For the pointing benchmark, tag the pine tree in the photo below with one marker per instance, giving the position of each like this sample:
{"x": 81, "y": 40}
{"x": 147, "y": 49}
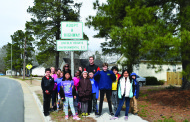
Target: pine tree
{"x": 45, "y": 24}
{"x": 18, "y": 42}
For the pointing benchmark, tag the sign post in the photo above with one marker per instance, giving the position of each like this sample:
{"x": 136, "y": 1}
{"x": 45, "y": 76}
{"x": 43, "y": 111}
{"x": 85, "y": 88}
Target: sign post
{"x": 29, "y": 66}
{"x": 72, "y": 30}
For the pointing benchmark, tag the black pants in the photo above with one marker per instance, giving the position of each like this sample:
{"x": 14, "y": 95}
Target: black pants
{"x": 93, "y": 102}
{"x": 54, "y": 96}
{"x": 108, "y": 95}
{"x": 46, "y": 102}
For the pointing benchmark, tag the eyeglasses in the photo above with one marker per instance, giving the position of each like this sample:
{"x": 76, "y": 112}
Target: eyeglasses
{"x": 66, "y": 66}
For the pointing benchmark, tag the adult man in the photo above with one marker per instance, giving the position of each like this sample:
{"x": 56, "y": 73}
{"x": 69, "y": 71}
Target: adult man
{"x": 91, "y": 68}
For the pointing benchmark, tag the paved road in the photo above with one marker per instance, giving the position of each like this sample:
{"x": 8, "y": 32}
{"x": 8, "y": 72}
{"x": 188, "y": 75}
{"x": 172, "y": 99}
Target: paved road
{"x": 11, "y": 101}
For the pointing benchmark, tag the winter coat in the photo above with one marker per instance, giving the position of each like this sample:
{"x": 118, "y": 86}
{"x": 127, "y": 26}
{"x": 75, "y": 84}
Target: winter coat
{"x": 136, "y": 87}
{"x": 124, "y": 87}
{"x": 47, "y": 84}
{"x": 84, "y": 89}
{"x": 92, "y": 68}
{"x": 105, "y": 81}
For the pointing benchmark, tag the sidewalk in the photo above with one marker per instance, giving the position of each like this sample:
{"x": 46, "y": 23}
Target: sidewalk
{"x": 32, "y": 112}
{"x": 106, "y": 117}
{"x": 34, "y": 108}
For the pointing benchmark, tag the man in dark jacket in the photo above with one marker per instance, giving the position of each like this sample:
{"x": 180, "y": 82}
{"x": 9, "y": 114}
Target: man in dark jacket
{"x": 91, "y": 68}
{"x": 47, "y": 85}
{"x": 133, "y": 104}
{"x": 105, "y": 86}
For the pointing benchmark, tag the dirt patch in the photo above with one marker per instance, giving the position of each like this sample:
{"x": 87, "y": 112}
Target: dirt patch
{"x": 160, "y": 104}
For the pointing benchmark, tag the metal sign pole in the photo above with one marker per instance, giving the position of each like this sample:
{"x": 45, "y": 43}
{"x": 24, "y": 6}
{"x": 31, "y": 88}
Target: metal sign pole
{"x": 72, "y": 63}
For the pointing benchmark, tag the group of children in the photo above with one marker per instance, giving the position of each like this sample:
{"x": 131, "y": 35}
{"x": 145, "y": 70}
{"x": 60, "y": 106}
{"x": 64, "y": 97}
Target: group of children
{"x": 82, "y": 91}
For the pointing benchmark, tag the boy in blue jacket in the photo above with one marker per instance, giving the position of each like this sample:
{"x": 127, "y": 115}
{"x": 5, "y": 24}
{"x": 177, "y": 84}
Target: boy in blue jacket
{"x": 95, "y": 93}
{"x": 133, "y": 104}
{"x": 105, "y": 78}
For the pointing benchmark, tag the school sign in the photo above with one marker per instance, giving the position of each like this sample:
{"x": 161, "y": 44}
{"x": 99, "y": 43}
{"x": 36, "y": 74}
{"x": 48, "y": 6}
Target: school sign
{"x": 70, "y": 45}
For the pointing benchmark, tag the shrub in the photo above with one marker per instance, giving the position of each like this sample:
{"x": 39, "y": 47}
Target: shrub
{"x": 161, "y": 82}
{"x": 151, "y": 81}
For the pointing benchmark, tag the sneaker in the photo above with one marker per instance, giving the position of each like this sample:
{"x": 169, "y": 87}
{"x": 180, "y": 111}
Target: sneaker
{"x": 66, "y": 117}
{"x": 98, "y": 115}
{"x": 136, "y": 114}
{"x": 114, "y": 118}
{"x": 57, "y": 110}
{"x": 126, "y": 118}
{"x": 112, "y": 114}
{"x": 76, "y": 117}
{"x": 86, "y": 114}
{"x": 83, "y": 114}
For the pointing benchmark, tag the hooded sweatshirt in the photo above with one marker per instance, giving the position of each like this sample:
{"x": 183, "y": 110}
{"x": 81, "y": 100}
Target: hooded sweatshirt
{"x": 67, "y": 87}
{"x": 76, "y": 82}
{"x": 135, "y": 86}
{"x": 58, "y": 81}
{"x": 94, "y": 87}
{"x": 106, "y": 78}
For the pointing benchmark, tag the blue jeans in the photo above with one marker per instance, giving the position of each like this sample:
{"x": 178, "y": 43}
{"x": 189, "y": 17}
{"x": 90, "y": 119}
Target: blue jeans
{"x": 121, "y": 102}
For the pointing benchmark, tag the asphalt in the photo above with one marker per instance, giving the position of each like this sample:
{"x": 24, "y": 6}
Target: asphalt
{"x": 31, "y": 110}
{"x": 11, "y": 101}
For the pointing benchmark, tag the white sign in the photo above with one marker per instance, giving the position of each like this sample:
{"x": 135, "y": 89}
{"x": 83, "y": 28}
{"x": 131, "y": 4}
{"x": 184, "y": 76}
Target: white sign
{"x": 72, "y": 45}
{"x": 71, "y": 30}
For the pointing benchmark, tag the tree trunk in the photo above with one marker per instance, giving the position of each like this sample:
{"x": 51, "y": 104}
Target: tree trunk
{"x": 185, "y": 50}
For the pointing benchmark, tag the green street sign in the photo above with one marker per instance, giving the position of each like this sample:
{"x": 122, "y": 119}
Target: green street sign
{"x": 72, "y": 45}
{"x": 71, "y": 30}
{"x": 29, "y": 66}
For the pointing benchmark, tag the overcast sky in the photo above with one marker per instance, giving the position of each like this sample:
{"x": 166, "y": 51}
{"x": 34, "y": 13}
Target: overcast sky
{"x": 13, "y": 17}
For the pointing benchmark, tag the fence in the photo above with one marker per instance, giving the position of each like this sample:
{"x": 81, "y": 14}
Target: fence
{"x": 174, "y": 78}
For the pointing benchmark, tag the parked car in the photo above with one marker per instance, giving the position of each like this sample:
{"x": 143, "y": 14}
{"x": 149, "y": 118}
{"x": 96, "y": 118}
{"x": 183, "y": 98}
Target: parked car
{"x": 141, "y": 80}
{"x": 1, "y": 74}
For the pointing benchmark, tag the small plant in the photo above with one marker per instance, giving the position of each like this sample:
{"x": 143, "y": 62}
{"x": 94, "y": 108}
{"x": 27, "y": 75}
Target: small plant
{"x": 171, "y": 87}
{"x": 161, "y": 82}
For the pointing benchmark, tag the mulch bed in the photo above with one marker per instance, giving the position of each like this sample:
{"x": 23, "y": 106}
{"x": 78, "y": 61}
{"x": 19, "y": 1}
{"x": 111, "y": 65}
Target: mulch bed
{"x": 163, "y": 104}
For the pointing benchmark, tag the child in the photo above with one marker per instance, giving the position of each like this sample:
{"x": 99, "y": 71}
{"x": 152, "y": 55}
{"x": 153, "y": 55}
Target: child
{"x": 114, "y": 97}
{"x": 105, "y": 86}
{"x": 47, "y": 85}
{"x": 58, "y": 81}
{"x": 95, "y": 93}
{"x": 67, "y": 92}
{"x": 54, "y": 93}
{"x": 124, "y": 93}
{"x": 84, "y": 90}
{"x": 76, "y": 83}
{"x": 136, "y": 94}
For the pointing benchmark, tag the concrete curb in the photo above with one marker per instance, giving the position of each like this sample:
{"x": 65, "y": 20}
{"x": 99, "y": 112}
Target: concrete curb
{"x": 48, "y": 118}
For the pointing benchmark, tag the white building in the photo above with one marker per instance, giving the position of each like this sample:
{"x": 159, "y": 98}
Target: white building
{"x": 144, "y": 71}
{"x": 8, "y": 72}
{"x": 39, "y": 71}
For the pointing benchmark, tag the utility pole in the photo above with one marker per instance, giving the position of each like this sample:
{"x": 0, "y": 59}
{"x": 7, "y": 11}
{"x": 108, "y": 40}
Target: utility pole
{"x": 11, "y": 58}
{"x": 24, "y": 59}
